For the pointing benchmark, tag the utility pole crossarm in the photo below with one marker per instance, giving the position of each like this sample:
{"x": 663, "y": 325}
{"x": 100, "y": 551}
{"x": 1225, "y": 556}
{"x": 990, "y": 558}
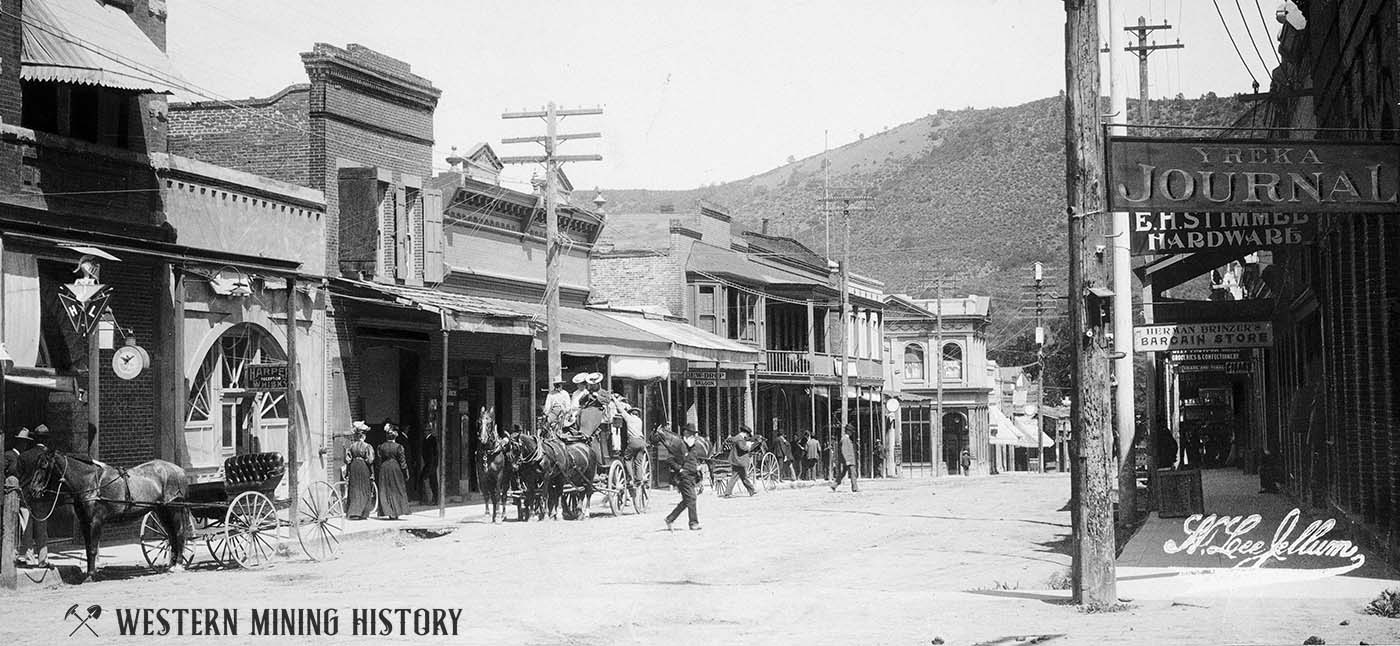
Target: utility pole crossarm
{"x": 540, "y": 159}
{"x": 542, "y": 139}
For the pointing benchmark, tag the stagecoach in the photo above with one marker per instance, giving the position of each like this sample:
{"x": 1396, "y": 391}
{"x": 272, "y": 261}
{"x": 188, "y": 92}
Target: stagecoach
{"x": 609, "y": 477}
{"x": 241, "y": 521}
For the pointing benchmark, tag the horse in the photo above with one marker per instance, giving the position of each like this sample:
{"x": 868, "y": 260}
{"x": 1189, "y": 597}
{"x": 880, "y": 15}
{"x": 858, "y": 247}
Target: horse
{"x": 101, "y": 493}
{"x": 527, "y": 460}
{"x": 497, "y": 467}
{"x": 703, "y": 451}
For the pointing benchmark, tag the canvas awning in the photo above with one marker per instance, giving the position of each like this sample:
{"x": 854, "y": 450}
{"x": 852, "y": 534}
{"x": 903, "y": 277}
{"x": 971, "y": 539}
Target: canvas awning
{"x": 91, "y": 43}
{"x": 1004, "y": 431}
{"x": 1026, "y": 425}
{"x": 590, "y": 333}
{"x": 639, "y": 367}
{"x": 688, "y": 342}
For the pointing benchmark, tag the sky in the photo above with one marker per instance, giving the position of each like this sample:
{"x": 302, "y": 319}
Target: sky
{"x": 696, "y": 93}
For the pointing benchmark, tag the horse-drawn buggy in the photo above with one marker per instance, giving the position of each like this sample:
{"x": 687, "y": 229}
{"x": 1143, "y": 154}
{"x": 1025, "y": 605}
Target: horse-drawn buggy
{"x": 721, "y": 472}
{"x": 238, "y": 518}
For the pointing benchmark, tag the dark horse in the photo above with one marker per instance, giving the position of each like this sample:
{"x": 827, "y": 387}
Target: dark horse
{"x": 533, "y": 472}
{"x": 662, "y": 437}
{"x": 101, "y": 493}
{"x": 497, "y": 468}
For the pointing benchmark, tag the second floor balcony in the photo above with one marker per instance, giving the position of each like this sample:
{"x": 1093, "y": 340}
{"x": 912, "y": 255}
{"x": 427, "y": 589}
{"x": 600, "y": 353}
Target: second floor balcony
{"x": 800, "y": 363}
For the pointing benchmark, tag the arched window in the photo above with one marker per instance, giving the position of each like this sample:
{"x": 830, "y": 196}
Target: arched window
{"x": 952, "y": 362}
{"x": 913, "y": 362}
{"x": 222, "y": 415}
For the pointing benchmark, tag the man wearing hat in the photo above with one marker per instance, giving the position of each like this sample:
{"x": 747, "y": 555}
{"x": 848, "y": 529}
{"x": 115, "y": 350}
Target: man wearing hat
{"x": 635, "y": 450}
{"x": 685, "y": 474}
{"x": 557, "y": 404}
{"x": 843, "y": 462}
{"x": 36, "y": 535}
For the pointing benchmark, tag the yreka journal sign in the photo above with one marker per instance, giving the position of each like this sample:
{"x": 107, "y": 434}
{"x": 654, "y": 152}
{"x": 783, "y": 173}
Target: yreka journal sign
{"x": 1231, "y": 176}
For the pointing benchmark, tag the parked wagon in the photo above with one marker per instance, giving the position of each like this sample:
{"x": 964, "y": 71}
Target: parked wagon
{"x": 241, "y": 521}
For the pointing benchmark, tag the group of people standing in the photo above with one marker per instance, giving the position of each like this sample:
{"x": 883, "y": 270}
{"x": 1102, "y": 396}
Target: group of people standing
{"x": 387, "y": 466}
{"x": 22, "y": 456}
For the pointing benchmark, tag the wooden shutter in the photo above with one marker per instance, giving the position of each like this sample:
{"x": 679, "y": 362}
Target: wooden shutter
{"x": 434, "y": 269}
{"x": 402, "y": 261}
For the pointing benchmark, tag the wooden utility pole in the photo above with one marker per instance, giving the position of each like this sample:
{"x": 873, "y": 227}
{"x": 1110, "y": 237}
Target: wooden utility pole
{"x": 551, "y": 160}
{"x": 1040, "y": 361}
{"x": 849, "y": 203}
{"x": 1093, "y": 552}
{"x": 1143, "y": 49}
{"x": 936, "y": 428}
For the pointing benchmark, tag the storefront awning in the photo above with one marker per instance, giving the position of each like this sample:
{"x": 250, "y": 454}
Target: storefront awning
{"x": 91, "y": 43}
{"x": 1029, "y": 434}
{"x": 463, "y": 313}
{"x": 689, "y": 342}
{"x": 639, "y": 367}
{"x": 1004, "y": 431}
{"x": 589, "y": 333}
{"x": 715, "y": 263}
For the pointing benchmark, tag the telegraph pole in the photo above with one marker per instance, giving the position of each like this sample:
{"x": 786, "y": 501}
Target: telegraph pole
{"x": 1093, "y": 571}
{"x": 1040, "y": 360}
{"x": 851, "y": 202}
{"x": 1143, "y": 49}
{"x": 937, "y": 425}
{"x": 551, "y": 160}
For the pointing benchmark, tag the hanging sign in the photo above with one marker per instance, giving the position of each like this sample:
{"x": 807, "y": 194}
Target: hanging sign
{"x": 84, "y": 303}
{"x": 1203, "y": 336}
{"x": 1173, "y": 233}
{"x": 1252, "y": 175}
{"x": 267, "y": 376}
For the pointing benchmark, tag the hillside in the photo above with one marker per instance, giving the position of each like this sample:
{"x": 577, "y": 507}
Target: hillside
{"x": 975, "y": 196}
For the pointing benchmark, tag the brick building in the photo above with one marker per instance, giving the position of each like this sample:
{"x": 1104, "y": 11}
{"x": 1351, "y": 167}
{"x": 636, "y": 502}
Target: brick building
{"x": 204, "y": 263}
{"x": 768, "y": 293}
{"x": 1334, "y": 372}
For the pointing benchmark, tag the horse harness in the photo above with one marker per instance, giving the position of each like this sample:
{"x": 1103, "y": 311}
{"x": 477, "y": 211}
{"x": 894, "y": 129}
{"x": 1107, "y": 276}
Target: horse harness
{"x": 81, "y": 494}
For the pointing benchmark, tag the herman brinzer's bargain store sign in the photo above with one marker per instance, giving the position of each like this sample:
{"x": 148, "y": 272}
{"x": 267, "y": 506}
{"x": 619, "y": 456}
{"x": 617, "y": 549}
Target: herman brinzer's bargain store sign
{"x": 1190, "y": 195}
{"x": 1202, "y": 336}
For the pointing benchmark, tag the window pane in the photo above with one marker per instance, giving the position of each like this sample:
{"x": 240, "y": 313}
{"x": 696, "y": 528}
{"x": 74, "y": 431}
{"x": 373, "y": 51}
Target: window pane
{"x": 230, "y": 420}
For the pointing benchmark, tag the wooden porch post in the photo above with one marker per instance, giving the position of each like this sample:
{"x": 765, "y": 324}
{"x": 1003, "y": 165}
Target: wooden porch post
{"x": 293, "y": 468}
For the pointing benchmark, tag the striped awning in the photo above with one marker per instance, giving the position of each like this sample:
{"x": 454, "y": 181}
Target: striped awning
{"x": 89, "y": 43}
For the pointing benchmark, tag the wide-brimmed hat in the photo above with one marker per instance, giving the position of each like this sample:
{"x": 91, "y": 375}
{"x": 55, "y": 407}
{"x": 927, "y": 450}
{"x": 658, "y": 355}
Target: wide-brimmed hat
{"x": 581, "y": 377}
{"x": 595, "y": 378}
{"x": 23, "y": 434}
{"x": 41, "y": 430}
{"x": 359, "y": 426}
{"x": 557, "y": 379}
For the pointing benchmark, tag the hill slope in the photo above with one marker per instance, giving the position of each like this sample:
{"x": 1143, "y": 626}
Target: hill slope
{"x": 975, "y": 196}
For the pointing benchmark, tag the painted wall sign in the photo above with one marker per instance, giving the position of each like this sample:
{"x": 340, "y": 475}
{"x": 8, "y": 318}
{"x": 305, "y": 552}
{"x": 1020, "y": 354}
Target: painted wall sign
{"x": 1171, "y": 233}
{"x": 1254, "y": 175}
{"x": 1203, "y": 336}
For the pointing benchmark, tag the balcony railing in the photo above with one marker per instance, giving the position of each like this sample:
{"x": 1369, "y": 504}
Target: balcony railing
{"x": 787, "y": 363}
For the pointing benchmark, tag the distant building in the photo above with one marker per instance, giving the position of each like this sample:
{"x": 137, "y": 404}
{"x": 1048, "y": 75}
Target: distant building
{"x": 922, "y": 357}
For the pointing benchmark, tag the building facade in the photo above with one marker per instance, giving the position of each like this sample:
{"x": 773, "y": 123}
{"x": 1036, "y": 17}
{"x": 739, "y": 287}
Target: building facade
{"x": 938, "y": 352}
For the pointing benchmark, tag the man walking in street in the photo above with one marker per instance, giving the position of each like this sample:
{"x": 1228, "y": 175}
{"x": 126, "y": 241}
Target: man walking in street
{"x": 685, "y": 474}
{"x": 739, "y": 446}
{"x": 844, "y": 459}
{"x": 814, "y": 453}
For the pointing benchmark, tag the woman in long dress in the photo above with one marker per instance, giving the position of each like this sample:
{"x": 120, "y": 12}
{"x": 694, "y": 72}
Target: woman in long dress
{"x": 359, "y": 499}
{"x": 393, "y": 468}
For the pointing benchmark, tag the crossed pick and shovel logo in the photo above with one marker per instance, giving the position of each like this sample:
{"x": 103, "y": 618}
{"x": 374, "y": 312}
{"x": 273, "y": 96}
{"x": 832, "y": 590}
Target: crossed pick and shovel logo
{"x": 93, "y": 612}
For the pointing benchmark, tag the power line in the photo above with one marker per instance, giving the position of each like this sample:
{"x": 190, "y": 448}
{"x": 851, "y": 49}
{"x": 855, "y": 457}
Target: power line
{"x": 1272, "y": 48}
{"x": 1249, "y": 32}
{"x": 1233, "y": 43}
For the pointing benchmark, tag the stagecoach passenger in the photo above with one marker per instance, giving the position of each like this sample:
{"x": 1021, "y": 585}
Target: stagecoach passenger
{"x": 557, "y": 404}
{"x": 393, "y": 471}
{"x": 359, "y": 478}
{"x": 36, "y": 533}
{"x": 636, "y": 450}
{"x": 593, "y": 394}
{"x": 580, "y": 389}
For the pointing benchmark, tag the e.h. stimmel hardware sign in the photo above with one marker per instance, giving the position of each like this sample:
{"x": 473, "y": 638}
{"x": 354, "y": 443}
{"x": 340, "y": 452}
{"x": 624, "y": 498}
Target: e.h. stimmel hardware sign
{"x": 1202, "y": 336}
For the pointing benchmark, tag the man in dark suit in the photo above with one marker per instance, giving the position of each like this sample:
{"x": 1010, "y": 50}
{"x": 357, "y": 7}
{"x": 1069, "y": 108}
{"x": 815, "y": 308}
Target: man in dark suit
{"x": 844, "y": 460}
{"x": 740, "y": 445}
{"x": 428, "y": 448}
{"x": 36, "y": 534}
{"x": 685, "y": 474}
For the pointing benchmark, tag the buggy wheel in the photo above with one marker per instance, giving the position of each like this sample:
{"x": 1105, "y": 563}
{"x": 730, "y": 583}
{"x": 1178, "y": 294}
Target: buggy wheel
{"x": 617, "y": 487}
{"x": 641, "y": 497}
{"x": 321, "y": 517}
{"x": 768, "y": 471}
{"x": 155, "y": 543}
{"x": 251, "y": 529}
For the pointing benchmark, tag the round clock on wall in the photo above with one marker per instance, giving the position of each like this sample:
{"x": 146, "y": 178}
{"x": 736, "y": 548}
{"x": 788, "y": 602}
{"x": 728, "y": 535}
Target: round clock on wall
{"x": 128, "y": 361}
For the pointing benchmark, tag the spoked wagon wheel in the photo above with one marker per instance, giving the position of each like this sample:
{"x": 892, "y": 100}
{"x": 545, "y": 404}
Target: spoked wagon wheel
{"x": 617, "y": 486}
{"x": 321, "y": 517}
{"x": 251, "y": 529}
{"x": 155, "y": 543}
{"x": 642, "y": 497}
{"x": 214, "y": 538}
{"x": 768, "y": 471}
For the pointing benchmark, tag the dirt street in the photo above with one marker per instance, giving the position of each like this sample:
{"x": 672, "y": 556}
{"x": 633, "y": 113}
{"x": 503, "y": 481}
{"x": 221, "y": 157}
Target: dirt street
{"x": 893, "y": 564}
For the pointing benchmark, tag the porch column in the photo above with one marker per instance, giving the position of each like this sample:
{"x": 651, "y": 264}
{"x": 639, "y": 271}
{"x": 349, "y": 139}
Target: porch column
{"x": 442, "y": 412}
{"x": 293, "y": 464}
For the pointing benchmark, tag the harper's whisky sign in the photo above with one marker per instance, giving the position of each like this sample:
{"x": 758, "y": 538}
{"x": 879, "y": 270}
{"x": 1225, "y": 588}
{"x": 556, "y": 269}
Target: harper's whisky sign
{"x": 1272, "y": 176}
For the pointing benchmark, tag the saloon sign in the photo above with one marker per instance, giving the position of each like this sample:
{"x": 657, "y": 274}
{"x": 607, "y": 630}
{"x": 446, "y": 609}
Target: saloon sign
{"x": 1189, "y": 195}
